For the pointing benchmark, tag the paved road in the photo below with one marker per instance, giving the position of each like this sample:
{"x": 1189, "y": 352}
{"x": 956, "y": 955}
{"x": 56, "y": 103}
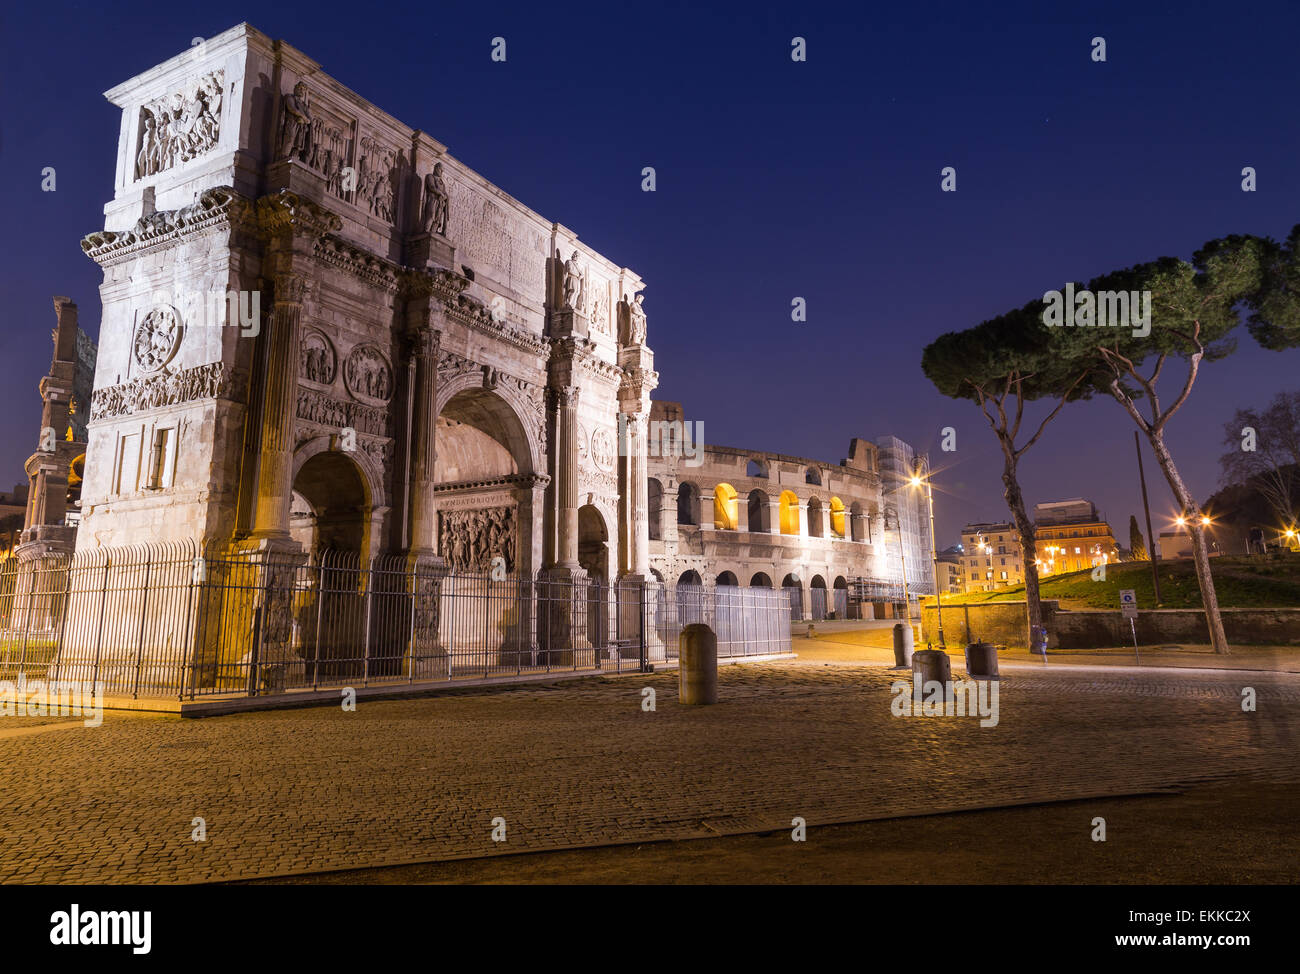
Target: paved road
{"x": 580, "y": 764}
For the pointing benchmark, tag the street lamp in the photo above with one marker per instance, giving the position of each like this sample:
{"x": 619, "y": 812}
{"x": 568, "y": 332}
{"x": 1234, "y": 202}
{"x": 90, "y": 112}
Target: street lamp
{"x": 916, "y": 481}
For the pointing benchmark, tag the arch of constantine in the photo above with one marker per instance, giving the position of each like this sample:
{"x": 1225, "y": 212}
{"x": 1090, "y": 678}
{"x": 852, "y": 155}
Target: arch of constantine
{"x": 421, "y": 355}
{"x": 359, "y": 414}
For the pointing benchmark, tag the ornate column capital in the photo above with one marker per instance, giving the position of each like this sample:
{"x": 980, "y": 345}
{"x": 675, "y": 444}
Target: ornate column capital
{"x": 287, "y": 212}
{"x": 290, "y": 288}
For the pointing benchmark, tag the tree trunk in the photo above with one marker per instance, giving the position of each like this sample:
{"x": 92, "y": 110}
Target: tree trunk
{"x": 1200, "y": 553}
{"x": 1029, "y": 543}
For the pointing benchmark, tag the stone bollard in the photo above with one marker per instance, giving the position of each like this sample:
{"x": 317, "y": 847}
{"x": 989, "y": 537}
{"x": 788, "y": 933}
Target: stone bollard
{"x": 982, "y": 661}
{"x": 697, "y": 665}
{"x": 902, "y": 646}
{"x": 931, "y": 664}
{"x": 812, "y": 632}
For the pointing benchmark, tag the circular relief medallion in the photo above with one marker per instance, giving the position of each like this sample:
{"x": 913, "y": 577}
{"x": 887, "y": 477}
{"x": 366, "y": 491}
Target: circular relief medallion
{"x": 156, "y": 338}
{"x": 368, "y": 375}
{"x": 319, "y": 363}
{"x": 602, "y": 449}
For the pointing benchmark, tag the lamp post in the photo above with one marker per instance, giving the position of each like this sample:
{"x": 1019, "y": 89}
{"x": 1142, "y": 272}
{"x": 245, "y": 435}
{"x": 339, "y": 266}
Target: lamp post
{"x": 917, "y": 481}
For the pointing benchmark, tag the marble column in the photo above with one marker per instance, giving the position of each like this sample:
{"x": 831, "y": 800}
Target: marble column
{"x": 424, "y": 447}
{"x": 566, "y": 424}
{"x": 636, "y": 501}
{"x": 279, "y": 410}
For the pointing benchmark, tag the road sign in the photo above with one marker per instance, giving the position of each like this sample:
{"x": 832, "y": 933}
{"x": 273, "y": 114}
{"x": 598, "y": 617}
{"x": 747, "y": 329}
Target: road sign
{"x": 1128, "y": 603}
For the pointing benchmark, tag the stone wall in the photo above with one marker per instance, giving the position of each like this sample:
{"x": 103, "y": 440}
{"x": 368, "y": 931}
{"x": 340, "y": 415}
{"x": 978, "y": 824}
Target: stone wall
{"x": 1004, "y": 623}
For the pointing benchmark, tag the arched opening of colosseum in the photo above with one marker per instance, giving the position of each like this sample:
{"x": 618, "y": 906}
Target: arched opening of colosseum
{"x": 760, "y": 580}
{"x": 760, "y": 514}
{"x": 856, "y": 522}
{"x": 756, "y": 468}
{"x": 330, "y": 509}
{"x": 817, "y": 592}
{"x": 837, "y": 517}
{"x": 812, "y": 476}
{"x": 690, "y": 598}
{"x": 728, "y": 578}
{"x": 814, "y": 517}
{"x": 725, "y": 508}
{"x": 654, "y": 508}
{"x": 688, "y": 503}
{"x": 794, "y": 591}
{"x": 841, "y": 597}
{"x": 483, "y": 450}
{"x": 789, "y": 512}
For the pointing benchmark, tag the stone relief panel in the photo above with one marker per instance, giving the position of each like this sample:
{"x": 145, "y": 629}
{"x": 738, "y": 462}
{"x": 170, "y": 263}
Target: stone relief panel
{"x": 211, "y": 381}
{"x": 319, "y": 362}
{"x": 469, "y": 540}
{"x": 514, "y": 251}
{"x": 180, "y": 126}
{"x": 368, "y": 375}
{"x": 324, "y": 410}
{"x": 379, "y": 175}
{"x": 599, "y": 313}
{"x": 156, "y": 338}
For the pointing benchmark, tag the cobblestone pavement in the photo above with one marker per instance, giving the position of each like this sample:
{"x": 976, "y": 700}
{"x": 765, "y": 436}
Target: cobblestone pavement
{"x": 581, "y": 764}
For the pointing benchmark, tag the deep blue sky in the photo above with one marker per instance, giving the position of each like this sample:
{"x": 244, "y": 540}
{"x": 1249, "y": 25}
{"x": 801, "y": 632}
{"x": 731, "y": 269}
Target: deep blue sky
{"x": 775, "y": 179}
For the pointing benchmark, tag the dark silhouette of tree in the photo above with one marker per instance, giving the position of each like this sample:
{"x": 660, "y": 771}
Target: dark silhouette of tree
{"x": 1000, "y": 365}
{"x": 1194, "y": 309}
{"x": 1137, "y": 546}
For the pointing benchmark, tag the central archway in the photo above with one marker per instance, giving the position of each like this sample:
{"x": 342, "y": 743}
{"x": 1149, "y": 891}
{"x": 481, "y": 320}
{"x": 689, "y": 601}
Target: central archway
{"x": 484, "y": 459}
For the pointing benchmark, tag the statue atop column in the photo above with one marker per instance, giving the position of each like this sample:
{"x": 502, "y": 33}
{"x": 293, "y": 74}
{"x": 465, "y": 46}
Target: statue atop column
{"x": 573, "y": 283}
{"x": 295, "y": 132}
{"x": 433, "y": 217}
{"x": 636, "y": 322}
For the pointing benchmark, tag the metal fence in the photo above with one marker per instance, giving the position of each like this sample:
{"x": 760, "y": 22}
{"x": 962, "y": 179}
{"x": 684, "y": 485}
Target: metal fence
{"x": 167, "y": 620}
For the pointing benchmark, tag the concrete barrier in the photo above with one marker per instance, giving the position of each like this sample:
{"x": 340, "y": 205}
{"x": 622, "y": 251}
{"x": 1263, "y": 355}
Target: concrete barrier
{"x": 697, "y": 667}
{"x": 902, "y": 646}
{"x": 931, "y": 664}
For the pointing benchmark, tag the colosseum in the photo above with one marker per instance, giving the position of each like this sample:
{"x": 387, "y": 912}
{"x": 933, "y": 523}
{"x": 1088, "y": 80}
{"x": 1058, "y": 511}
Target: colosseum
{"x": 841, "y": 539}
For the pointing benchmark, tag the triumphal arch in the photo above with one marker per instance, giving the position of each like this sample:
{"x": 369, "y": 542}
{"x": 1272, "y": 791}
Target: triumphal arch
{"x": 321, "y": 330}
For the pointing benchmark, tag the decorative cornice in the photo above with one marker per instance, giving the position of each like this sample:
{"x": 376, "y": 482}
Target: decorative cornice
{"x": 525, "y": 480}
{"x": 286, "y": 211}
{"x": 372, "y": 270}
{"x": 217, "y": 208}
{"x": 474, "y": 314}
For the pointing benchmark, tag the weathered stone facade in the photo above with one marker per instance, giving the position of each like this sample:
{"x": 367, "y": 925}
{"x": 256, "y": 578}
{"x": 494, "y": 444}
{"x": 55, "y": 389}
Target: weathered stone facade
{"x": 322, "y": 330}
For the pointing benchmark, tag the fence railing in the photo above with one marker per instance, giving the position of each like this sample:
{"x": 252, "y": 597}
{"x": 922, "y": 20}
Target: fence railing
{"x": 169, "y": 620}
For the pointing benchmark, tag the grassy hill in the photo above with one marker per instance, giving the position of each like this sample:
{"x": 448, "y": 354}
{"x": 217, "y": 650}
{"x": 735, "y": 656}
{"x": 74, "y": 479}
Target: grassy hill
{"x": 1241, "y": 583}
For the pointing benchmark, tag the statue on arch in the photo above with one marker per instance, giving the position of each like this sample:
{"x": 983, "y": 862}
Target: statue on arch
{"x": 295, "y": 132}
{"x": 573, "y": 283}
{"x": 636, "y": 322}
{"x": 433, "y": 217}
